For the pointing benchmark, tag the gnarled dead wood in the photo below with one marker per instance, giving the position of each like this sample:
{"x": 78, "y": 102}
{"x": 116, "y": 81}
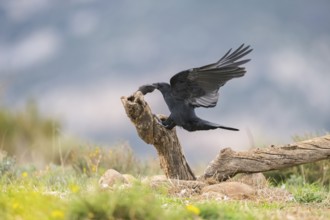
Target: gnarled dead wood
{"x": 166, "y": 142}
{"x": 228, "y": 162}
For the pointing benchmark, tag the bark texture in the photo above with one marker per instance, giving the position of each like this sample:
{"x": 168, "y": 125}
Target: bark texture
{"x": 166, "y": 142}
{"x": 228, "y": 163}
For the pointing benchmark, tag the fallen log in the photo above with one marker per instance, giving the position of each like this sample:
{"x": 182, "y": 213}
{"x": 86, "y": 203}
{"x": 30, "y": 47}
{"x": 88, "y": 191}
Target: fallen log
{"x": 228, "y": 163}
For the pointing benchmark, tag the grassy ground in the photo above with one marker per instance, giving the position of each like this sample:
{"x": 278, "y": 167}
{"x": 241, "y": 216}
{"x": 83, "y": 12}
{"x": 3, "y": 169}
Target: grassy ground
{"x": 62, "y": 193}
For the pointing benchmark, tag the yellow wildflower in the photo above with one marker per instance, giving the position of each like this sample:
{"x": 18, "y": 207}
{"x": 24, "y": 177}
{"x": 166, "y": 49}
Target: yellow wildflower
{"x": 57, "y": 214}
{"x": 74, "y": 188}
{"x": 193, "y": 209}
{"x": 15, "y": 205}
{"x": 94, "y": 168}
{"x": 25, "y": 174}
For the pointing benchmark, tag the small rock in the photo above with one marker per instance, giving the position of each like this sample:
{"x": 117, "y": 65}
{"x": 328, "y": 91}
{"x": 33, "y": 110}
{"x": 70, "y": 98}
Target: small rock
{"x": 129, "y": 178}
{"x": 156, "y": 178}
{"x": 213, "y": 195}
{"x": 157, "y": 181}
{"x": 257, "y": 180}
{"x": 233, "y": 190}
{"x": 110, "y": 178}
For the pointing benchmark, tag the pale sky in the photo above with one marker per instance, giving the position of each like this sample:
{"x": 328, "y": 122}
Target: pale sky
{"x": 77, "y": 58}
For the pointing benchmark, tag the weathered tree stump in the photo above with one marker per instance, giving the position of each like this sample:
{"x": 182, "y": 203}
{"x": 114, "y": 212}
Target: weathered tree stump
{"x": 166, "y": 142}
{"x": 228, "y": 163}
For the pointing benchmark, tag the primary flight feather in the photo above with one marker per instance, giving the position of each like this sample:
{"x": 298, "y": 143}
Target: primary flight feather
{"x": 198, "y": 87}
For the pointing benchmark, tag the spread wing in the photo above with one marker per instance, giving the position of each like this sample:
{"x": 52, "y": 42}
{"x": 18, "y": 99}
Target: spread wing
{"x": 200, "y": 86}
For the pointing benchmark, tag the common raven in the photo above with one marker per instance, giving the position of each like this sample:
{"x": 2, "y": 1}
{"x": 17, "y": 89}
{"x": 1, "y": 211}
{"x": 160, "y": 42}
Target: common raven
{"x": 198, "y": 87}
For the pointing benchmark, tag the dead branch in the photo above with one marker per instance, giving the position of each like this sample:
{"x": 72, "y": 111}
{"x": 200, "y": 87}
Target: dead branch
{"x": 228, "y": 163}
{"x": 166, "y": 142}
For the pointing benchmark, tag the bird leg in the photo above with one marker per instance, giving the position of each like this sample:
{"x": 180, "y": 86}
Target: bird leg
{"x": 158, "y": 120}
{"x": 166, "y": 122}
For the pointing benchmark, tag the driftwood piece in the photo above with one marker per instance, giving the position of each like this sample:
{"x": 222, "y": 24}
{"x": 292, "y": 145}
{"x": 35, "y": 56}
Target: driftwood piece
{"x": 166, "y": 142}
{"x": 229, "y": 163}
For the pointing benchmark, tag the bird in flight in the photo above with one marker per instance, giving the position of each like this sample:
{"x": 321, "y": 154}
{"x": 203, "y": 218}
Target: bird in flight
{"x": 198, "y": 87}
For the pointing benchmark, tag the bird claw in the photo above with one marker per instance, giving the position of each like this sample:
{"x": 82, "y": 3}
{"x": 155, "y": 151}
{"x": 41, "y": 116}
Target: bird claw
{"x": 158, "y": 120}
{"x": 165, "y": 123}
{"x": 169, "y": 127}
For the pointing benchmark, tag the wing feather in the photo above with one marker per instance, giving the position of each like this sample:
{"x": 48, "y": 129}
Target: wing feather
{"x": 200, "y": 86}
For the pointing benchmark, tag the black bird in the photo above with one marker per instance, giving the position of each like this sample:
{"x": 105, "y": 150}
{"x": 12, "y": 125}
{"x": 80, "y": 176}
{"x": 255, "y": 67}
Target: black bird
{"x": 198, "y": 87}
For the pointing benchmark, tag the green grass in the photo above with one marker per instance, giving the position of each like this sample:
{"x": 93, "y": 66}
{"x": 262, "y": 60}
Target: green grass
{"x": 72, "y": 196}
{"x": 57, "y": 193}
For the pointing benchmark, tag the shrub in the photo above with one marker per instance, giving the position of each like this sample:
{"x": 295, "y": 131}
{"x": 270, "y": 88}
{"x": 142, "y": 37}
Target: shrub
{"x": 7, "y": 164}
{"x": 28, "y": 135}
{"x": 309, "y": 193}
{"x": 92, "y": 160}
{"x": 138, "y": 202}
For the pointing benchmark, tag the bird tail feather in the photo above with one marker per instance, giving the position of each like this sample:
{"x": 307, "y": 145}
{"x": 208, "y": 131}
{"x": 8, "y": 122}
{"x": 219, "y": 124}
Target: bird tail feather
{"x": 206, "y": 125}
{"x": 211, "y": 124}
{"x": 228, "y": 128}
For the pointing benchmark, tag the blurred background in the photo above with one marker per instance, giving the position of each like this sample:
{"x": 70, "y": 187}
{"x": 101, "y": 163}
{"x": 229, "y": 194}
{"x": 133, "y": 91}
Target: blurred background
{"x": 72, "y": 61}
